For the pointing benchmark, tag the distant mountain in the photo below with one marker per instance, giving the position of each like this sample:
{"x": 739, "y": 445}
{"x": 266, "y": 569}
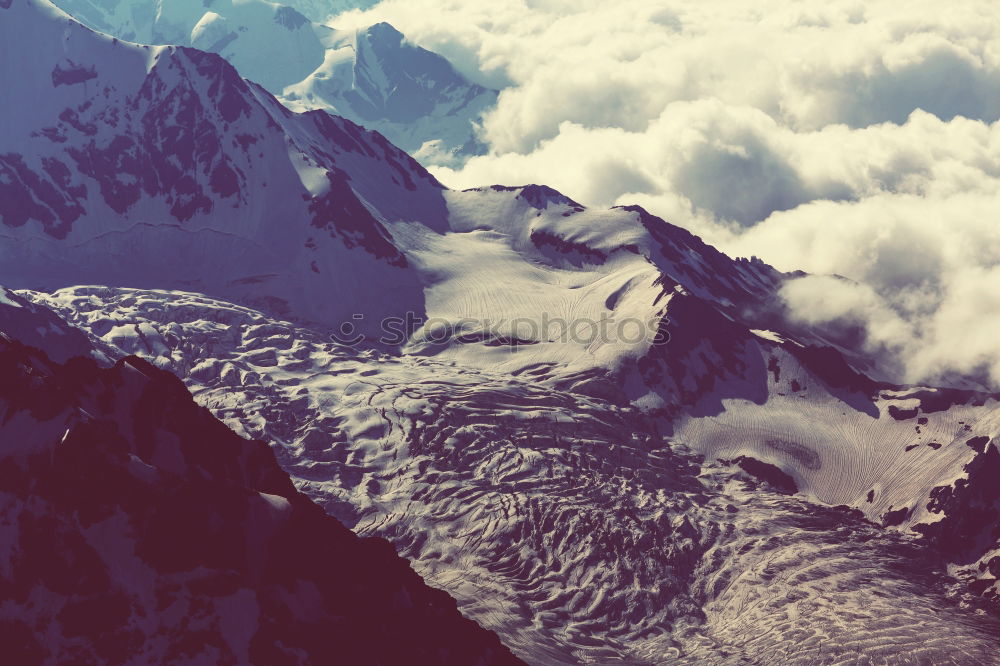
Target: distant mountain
{"x": 414, "y": 97}
{"x": 272, "y": 44}
{"x": 138, "y": 529}
{"x": 371, "y": 76}
{"x": 320, "y": 10}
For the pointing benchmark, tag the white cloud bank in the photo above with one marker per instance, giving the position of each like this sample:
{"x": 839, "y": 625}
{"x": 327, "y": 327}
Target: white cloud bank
{"x": 858, "y": 139}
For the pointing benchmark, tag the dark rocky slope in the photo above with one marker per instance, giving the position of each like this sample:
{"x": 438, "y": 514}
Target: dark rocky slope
{"x": 137, "y": 528}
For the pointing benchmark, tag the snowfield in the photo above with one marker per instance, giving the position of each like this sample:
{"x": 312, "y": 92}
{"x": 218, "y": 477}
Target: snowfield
{"x": 579, "y": 530}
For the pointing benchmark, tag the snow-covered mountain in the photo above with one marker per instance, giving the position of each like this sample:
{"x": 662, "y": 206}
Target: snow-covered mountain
{"x": 193, "y": 178}
{"x": 372, "y": 76}
{"x": 166, "y": 160}
{"x": 595, "y": 431}
{"x": 416, "y": 98}
{"x": 138, "y": 529}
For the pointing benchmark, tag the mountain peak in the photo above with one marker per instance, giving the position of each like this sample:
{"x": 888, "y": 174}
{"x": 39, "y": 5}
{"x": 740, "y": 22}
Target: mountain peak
{"x": 384, "y": 32}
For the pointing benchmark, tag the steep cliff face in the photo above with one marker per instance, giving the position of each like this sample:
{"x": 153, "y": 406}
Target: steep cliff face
{"x": 138, "y": 528}
{"x": 965, "y": 520}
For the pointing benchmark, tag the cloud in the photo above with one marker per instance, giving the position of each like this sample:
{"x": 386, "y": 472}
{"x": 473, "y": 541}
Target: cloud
{"x": 834, "y": 136}
{"x": 926, "y": 277}
{"x": 851, "y": 308}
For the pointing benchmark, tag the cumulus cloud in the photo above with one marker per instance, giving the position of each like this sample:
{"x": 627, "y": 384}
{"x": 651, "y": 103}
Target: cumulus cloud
{"x": 926, "y": 276}
{"x": 834, "y": 136}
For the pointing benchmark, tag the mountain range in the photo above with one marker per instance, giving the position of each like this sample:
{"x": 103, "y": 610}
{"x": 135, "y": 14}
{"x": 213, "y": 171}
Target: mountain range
{"x": 372, "y": 76}
{"x": 603, "y": 437}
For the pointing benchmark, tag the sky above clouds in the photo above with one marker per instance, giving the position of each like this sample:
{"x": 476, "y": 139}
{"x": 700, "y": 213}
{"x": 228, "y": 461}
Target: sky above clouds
{"x": 836, "y": 137}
